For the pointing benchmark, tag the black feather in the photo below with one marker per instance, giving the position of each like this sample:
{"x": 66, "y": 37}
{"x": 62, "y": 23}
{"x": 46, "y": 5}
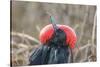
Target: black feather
{"x": 54, "y": 51}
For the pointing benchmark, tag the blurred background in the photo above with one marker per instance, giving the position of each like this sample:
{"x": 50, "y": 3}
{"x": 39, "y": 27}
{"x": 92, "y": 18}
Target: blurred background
{"x": 28, "y": 18}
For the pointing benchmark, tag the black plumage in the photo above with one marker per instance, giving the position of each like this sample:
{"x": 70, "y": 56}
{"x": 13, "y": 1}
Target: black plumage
{"x": 54, "y": 51}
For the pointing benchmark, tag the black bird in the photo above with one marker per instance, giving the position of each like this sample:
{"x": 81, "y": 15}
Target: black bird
{"x": 57, "y": 44}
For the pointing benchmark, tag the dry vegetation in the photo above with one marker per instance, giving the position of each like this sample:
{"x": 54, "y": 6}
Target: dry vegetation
{"x": 28, "y": 18}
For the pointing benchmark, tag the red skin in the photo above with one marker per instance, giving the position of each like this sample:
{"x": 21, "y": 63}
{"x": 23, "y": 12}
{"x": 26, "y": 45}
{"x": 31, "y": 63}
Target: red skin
{"x": 47, "y": 32}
